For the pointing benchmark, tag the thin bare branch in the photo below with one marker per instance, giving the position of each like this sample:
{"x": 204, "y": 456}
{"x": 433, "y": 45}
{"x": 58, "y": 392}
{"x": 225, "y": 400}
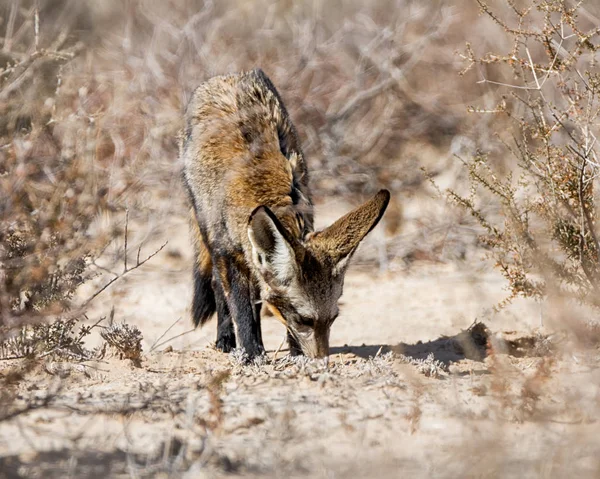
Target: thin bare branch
{"x": 124, "y": 273}
{"x": 153, "y": 347}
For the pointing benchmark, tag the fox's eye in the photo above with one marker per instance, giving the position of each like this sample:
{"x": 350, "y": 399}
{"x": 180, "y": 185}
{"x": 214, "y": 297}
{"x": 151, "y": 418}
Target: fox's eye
{"x": 308, "y": 322}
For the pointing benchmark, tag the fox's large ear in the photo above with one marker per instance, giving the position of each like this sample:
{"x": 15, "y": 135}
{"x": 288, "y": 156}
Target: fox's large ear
{"x": 342, "y": 238}
{"x": 273, "y": 248}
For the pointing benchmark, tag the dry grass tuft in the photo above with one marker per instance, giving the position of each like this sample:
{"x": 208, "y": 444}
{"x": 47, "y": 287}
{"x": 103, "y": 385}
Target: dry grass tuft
{"x": 429, "y": 366}
{"x": 126, "y": 340}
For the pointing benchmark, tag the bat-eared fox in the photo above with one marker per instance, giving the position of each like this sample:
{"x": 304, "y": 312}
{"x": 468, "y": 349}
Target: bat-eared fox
{"x": 253, "y": 220}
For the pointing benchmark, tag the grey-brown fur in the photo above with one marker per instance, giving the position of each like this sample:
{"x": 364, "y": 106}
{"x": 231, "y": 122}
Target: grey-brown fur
{"x": 248, "y": 183}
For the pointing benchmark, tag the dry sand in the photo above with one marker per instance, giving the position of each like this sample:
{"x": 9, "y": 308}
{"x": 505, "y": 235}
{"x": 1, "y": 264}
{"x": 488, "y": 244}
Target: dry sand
{"x": 190, "y": 411}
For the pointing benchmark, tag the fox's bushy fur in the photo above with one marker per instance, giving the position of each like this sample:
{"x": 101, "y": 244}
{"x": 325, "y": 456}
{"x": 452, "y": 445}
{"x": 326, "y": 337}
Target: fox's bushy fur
{"x": 253, "y": 219}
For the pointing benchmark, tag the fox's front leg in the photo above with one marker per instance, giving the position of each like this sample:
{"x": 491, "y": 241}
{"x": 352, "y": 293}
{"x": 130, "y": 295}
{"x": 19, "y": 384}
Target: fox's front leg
{"x": 240, "y": 294}
{"x": 225, "y": 331}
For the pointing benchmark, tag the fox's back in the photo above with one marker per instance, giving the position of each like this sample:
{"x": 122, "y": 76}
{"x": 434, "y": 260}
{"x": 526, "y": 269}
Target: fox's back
{"x": 240, "y": 150}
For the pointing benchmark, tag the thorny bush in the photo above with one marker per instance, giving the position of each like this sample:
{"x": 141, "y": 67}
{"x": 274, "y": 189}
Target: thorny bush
{"x": 61, "y": 193}
{"x": 50, "y": 189}
{"x": 546, "y": 242}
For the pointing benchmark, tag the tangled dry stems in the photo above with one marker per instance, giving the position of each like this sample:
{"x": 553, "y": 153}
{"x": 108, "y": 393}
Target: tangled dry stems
{"x": 545, "y": 241}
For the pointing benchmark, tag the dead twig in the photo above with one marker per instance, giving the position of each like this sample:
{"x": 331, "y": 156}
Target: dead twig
{"x": 126, "y": 268}
{"x": 153, "y": 347}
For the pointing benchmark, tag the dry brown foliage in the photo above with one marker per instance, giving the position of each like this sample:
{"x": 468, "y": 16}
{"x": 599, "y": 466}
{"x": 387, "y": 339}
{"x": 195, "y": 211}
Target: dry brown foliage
{"x": 545, "y": 240}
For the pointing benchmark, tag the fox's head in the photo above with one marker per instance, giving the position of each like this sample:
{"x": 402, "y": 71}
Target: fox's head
{"x": 302, "y": 279}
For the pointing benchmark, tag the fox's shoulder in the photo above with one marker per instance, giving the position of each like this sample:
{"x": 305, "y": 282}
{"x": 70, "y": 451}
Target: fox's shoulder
{"x": 246, "y": 90}
{"x": 216, "y": 94}
{"x": 242, "y": 115}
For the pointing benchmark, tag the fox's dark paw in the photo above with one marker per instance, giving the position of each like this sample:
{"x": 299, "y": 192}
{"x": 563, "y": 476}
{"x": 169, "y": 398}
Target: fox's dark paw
{"x": 225, "y": 344}
{"x": 296, "y": 351}
{"x": 256, "y": 355}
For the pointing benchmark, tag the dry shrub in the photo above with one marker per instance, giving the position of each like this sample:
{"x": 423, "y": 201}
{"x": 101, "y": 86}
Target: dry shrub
{"x": 429, "y": 366}
{"x": 58, "y": 339}
{"x": 545, "y": 241}
{"x": 47, "y": 204}
{"x": 70, "y": 160}
{"x": 51, "y": 186}
{"x": 63, "y": 186}
{"x": 126, "y": 340}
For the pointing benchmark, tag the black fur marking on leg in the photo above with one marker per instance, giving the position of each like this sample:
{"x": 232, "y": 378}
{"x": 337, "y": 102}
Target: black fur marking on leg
{"x": 243, "y": 311}
{"x": 225, "y": 332}
{"x": 255, "y": 299}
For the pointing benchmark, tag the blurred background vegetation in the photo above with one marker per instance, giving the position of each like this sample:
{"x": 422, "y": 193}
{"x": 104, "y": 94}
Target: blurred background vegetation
{"x": 384, "y": 94}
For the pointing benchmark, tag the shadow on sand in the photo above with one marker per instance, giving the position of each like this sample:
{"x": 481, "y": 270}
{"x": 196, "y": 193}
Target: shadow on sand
{"x": 473, "y": 343}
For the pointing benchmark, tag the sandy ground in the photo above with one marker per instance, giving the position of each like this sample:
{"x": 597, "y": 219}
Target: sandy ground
{"x": 376, "y": 411}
